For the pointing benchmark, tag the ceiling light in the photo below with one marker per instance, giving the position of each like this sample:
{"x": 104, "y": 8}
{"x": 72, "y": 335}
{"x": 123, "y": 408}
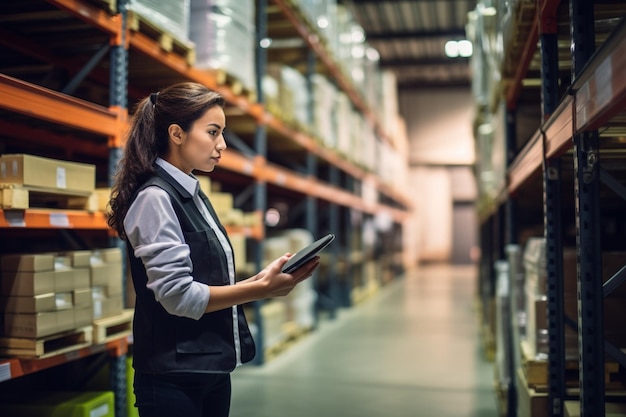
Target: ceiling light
{"x": 322, "y": 22}
{"x": 372, "y": 54}
{"x": 455, "y": 49}
{"x": 451, "y": 49}
{"x": 465, "y": 48}
{"x": 265, "y": 42}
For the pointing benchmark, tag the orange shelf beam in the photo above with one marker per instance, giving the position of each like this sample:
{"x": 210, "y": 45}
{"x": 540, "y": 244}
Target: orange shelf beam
{"x": 52, "y": 219}
{"x": 559, "y": 129}
{"x": 528, "y": 163}
{"x": 239, "y": 163}
{"x": 601, "y": 88}
{"x": 20, "y": 367}
{"x": 25, "y": 98}
{"x": 109, "y": 23}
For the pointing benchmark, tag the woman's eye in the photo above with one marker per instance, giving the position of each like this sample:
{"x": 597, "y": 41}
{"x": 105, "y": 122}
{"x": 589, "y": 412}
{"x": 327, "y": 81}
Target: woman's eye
{"x": 212, "y": 132}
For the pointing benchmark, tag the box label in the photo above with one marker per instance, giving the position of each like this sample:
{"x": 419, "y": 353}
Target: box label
{"x": 61, "y": 178}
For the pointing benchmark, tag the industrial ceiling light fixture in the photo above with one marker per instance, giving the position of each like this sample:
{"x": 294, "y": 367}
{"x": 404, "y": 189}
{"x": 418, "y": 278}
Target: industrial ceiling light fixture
{"x": 456, "y": 49}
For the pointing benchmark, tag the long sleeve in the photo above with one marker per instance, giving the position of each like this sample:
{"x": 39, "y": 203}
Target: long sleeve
{"x": 153, "y": 231}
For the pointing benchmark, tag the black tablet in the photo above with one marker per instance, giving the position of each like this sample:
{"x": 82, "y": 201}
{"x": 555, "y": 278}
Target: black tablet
{"x": 305, "y": 254}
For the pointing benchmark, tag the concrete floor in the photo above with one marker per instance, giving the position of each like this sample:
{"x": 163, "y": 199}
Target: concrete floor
{"x": 413, "y": 349}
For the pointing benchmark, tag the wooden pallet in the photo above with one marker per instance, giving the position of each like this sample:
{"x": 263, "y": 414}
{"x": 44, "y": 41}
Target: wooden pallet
{"x": 227, "y": 79}
{"x": 167, "y": 41}
{"x": 536, "y": 372}
{"x": 108, "y": 5}
{"x": 114, "y": 327}
{"x": 44, "y": 347}
{"x": 20, "y": 197}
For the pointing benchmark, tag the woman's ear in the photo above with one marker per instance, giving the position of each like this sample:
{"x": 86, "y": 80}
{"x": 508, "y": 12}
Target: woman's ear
{"x": 176, "y": 133}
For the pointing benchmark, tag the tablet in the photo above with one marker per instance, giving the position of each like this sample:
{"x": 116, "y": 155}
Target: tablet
{"x": 305, "y": 254}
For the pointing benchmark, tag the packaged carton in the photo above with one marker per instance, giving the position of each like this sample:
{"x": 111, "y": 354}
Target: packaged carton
{"x": 34, "y": 304}
{"x": 27, "y": 262}
{"x": 27, "y": 283}
{"x": 31, "y": 326}
{"x": 35, "y": 171}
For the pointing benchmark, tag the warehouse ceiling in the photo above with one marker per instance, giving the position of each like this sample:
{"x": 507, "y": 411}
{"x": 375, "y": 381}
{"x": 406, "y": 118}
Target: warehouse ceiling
{"x": 410, "y": 36}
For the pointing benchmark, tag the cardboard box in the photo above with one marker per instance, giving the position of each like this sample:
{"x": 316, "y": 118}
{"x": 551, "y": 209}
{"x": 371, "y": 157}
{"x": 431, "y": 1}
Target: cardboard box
{"x": 83, "y": 316}
{"x": 104, "y": 274}
{"x": 34, "y": 304}
{"x": 27, "y": 262}
{"x": 529, "y": 402}
{"x": 27, "y": 283}
{"x": 65, "y": 320}
{"x": 30, "y": 326}
{"x": 107, "y": 307}
{"x": 64, "y": 279}
{"x": 78, "y": 259}
{"x": 111, "y": 255}
{"x": 64, "y": 300}
{"x": 66, "y": 404}
{"x": 82, "y": 277}
{"x": 82, "y": 297}
{"x": 222, "y": 203}
{"x": 35, "y": 171}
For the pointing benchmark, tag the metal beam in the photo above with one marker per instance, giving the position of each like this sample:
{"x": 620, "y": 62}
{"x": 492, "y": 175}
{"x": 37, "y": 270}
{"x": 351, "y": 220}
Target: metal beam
{"x": 416, "y": 34}
{"x": 389, "y": 63}
{"x": 433, "y": 84}
{"x": 364, "y": 2}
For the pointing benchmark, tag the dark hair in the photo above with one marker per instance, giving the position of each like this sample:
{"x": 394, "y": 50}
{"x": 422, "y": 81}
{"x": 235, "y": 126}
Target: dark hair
{"x": 148, "y": 138}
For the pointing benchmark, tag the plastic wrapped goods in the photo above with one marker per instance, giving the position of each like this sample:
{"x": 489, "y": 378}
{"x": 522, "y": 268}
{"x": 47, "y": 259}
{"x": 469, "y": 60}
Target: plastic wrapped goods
{"x": 224, "y": 34}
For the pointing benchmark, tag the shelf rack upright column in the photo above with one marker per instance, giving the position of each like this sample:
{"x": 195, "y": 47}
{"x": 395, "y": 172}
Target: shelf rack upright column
{"x": 589, "y": 255}
{"x": 118, "y": 99}
{"x": 260, "y": 146}
{"x": 552, "y": 209}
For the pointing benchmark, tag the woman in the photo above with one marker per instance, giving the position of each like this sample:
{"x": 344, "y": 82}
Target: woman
{"x": 189, "y": 328}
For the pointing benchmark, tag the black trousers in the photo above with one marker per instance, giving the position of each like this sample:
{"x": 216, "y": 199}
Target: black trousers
{"x": 189, "y": 395}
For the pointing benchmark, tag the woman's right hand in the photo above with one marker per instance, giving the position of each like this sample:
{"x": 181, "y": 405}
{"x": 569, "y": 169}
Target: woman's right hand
{"x": 277, "y": 283}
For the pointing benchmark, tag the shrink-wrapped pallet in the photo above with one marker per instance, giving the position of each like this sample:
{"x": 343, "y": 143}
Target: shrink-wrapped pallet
{"x": 170, "y": 16}
{"x": 224, "y": 34}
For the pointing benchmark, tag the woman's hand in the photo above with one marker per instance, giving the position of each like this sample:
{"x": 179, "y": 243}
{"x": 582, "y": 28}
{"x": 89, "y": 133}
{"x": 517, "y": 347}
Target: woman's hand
{"x": 277, "y": 283}
{"x": 268, "y": 283}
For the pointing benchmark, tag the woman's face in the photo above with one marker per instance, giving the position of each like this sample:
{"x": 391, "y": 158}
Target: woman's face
{"x": 201, "y": 147}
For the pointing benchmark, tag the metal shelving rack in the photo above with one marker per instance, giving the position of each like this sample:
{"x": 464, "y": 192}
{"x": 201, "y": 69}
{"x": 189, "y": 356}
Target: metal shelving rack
{"x": 576, "y": 129}
{"x": 107, "y": 124}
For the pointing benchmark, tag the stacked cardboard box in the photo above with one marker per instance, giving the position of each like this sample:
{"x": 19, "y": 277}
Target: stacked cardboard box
{"x": 36, "y": 298}
{"x": 47, "y": 293}
{"x": 105, "y": 266}
{"x": 35, "y": 171}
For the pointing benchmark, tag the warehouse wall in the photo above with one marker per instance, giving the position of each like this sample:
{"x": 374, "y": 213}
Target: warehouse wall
{"x": 439, "y": 129}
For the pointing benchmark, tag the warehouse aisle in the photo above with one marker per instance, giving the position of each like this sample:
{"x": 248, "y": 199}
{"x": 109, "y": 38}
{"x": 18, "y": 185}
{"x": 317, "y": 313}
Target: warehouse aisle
{"x": 412, "y": 350}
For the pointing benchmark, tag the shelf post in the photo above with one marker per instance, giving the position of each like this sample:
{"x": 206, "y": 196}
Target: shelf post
{"x": 552, "y": 209}
{"x": 260, "y": 189}
{"x": 512, "y": 238}
{"x": 118, "y": 98}
{"x": 588, "y": 250}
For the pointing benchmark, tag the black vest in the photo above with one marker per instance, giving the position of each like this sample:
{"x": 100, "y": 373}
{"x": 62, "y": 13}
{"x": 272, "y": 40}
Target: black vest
{"x": 167, "y": 343}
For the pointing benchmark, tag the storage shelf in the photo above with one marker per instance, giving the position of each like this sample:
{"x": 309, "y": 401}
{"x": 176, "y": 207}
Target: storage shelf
{"x": 52, "y": 219}
{"x": 243, "y": 105}
{"x": 32, "y": 100}
{"x": 14, "y": 368}
{"x": 598, "y": 95}
{"x": 313, "y": 42}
